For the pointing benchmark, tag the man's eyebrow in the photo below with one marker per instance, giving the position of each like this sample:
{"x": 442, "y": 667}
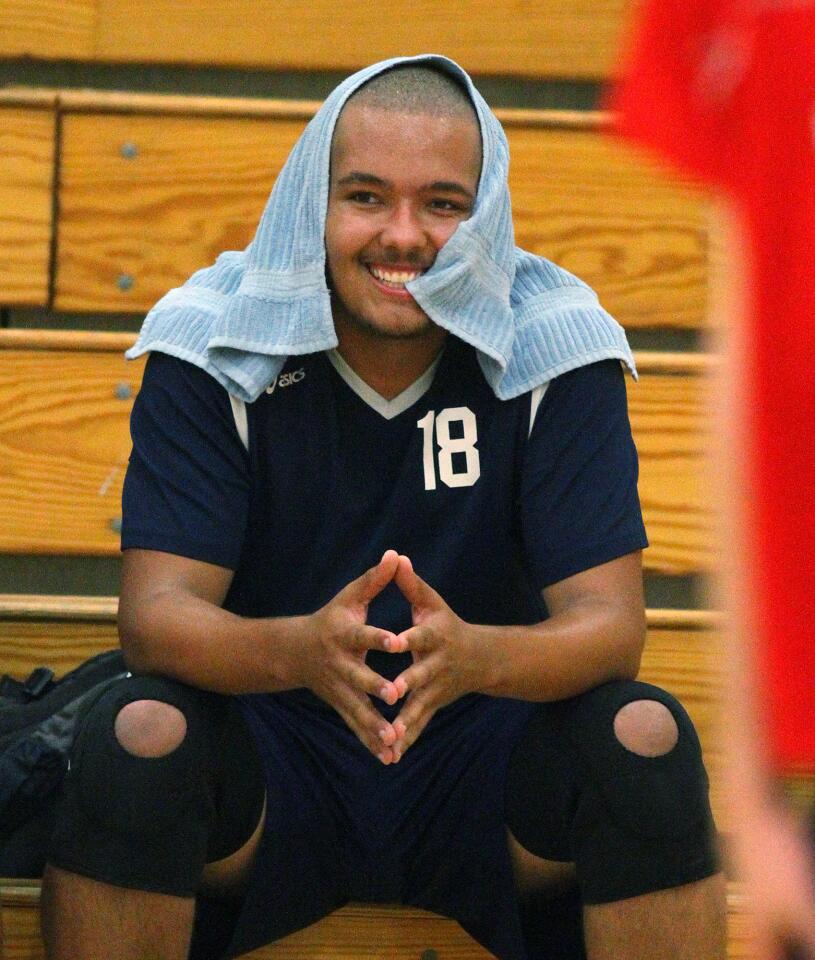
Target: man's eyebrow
{"x": 357, "y": 176}
{"x": 451, "y": 186}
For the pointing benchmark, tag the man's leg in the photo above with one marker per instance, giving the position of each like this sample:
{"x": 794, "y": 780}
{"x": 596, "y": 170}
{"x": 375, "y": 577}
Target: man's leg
{"x": 84, "y": 918}
{"x": 683, "y": 923}
{"x": 131, "y": 894}
{"x": 88, "y": 918}
{"x": 629, "y": 825}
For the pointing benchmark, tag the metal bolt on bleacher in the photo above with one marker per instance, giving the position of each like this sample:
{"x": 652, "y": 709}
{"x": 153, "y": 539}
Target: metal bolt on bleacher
{"x": 125, "y": 282}
{"x": 129, "y": 150}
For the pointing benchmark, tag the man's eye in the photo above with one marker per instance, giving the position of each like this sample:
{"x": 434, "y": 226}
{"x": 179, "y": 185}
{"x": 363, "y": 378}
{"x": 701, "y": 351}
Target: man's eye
{"x": 449, "y": 206}
{"x": 364, "y": 197}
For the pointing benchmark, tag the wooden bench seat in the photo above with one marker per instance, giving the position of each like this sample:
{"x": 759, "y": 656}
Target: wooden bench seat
{"x": 151, "y": 188}
{"x": 65, "y": 402}
{"x": 355, "y": 932}
{"x": 557, "y": 38}
{"x": 28, "y": 145}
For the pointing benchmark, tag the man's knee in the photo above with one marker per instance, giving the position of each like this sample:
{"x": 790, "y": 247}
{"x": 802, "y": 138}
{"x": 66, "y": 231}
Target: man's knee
{"x": 141, "y": 759}
{"x": 627, "y": 749}
{"x": 640, "y": 754}
{"x": 646, "y": 727}
{"x": 138, "y": 808}
{"x": 150, "y": 728}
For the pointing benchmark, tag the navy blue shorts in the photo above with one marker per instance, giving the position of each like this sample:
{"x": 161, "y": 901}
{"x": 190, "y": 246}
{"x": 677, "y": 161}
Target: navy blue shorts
{"x": 341, "y": 826}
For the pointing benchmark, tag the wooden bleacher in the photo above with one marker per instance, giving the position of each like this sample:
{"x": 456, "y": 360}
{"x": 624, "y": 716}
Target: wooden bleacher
{"x": 66, "y": 398}
{"x": 152, "y": 187}
{"x": 108, "y": 200}
{"x": 548, "y": 38}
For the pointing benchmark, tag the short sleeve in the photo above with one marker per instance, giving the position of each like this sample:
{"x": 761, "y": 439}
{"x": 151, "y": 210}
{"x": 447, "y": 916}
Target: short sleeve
{"x": 579, "y": 502}
{"x": 187, "y": 485}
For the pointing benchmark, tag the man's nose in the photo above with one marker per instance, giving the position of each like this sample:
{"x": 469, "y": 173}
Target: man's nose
{"x": 403, "y": 231}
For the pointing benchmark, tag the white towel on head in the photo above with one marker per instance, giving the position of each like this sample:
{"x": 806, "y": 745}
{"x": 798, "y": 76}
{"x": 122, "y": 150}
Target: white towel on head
{"x": 242, "y": 317}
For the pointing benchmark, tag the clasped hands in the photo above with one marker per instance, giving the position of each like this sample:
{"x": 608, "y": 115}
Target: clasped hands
{"x": 444, "y": 662}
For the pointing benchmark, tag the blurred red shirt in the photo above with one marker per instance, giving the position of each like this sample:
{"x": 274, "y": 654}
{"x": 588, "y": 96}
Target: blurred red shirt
{"x": 725, "y": 90}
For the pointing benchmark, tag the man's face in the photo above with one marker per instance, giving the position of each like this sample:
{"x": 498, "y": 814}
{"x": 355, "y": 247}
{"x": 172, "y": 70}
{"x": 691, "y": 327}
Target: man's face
{"x": 400, "y": 185}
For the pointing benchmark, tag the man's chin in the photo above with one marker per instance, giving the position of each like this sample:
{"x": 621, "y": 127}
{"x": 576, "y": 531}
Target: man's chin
{"x": 394, "y": 328}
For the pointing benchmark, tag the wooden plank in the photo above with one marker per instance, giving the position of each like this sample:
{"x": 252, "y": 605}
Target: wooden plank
{"x": 88, "y": 340}
{"x": 374, "y": 931}
{"x": 638, "y": 237}
{"x": 19, "y": 96}
{"x": 553, "y": 38}
{"x": 64, "y": 445}
{"x": 355, "y": 932}
{"x": 25, "y": 645}
{"x": 48, "y": 29}
{"x": 671, "y": 426}
{"x": 27, "y": 151}
{"x": 73, "y": 609}
{"x": 132, "y": 226}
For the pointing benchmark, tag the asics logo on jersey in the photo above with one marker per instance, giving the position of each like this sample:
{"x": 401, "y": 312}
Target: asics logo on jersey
{"x": 286, "y": 380}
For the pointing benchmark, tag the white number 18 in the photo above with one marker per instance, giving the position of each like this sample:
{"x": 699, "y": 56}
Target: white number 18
{"x": 448, "y": 446}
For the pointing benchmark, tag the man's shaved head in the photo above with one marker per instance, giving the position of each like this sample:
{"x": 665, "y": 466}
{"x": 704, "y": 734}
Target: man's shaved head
{"x": 415, "y": 88}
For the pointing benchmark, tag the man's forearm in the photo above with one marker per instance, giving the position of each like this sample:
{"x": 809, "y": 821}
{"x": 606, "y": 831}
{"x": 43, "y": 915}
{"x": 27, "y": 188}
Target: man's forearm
{"x": 199, "y": 643}
{"x": 566, "y": 655}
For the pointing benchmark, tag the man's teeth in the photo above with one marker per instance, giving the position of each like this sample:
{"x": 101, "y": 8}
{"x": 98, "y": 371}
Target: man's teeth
{"x": 397, "y": 278}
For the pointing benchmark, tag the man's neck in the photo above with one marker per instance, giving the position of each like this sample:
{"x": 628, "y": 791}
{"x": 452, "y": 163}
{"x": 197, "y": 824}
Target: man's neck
{"x": 388, "y": 365}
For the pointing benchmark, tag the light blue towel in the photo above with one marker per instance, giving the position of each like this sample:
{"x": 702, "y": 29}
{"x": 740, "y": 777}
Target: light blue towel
{"x": 242, "y": 317}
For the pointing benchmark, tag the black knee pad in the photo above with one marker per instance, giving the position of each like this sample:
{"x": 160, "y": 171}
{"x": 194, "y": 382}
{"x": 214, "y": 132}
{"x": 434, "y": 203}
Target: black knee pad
{"x": 631, "y": 823}
{"x": 143, "y": 822}
{"x": 661, "y": 797}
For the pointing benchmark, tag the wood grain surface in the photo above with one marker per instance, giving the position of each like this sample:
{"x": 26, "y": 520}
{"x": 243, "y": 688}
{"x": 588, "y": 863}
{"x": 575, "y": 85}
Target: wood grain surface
{"x": 64, "y": 444}
{"x": 551, "y": 38}
{"x": 355, "y": 932}
{"x": 27, "y": 156}
{"x": 671, "y": 426}
{"x": 638, "y": 237}
{"x": 192, "y": 190}
{"x": 48, "y": 29}
{"x": 152, "y": 198}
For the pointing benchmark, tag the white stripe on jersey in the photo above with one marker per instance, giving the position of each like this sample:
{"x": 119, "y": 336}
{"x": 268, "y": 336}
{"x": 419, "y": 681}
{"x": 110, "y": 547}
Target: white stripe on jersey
{"x": 241, "y": 423}
{"x": 535, "y": 398}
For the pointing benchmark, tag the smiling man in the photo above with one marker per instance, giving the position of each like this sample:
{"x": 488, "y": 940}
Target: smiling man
{"x": 382, "y": 591}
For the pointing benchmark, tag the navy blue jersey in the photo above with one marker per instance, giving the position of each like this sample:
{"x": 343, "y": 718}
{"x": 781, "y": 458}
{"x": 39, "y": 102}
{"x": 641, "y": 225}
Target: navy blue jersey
{"x": 303, "y": 490}
{"x": 328, "y": 476}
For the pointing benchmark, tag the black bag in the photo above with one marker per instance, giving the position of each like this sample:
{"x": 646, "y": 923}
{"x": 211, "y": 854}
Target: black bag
{"x": 39, "y": 718}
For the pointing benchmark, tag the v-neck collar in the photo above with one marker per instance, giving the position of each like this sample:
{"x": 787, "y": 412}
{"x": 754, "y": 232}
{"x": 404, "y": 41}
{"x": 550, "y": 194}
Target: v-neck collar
{"x": 388, "y": 409}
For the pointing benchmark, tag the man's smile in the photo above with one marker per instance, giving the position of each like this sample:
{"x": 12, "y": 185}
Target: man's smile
{"x": 394, "y": 278}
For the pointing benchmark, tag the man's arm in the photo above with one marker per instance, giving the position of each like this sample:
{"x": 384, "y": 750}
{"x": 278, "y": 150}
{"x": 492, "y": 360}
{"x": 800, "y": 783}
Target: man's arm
{"x": 171, "y": 623}
{"x": 595, "y": 633}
